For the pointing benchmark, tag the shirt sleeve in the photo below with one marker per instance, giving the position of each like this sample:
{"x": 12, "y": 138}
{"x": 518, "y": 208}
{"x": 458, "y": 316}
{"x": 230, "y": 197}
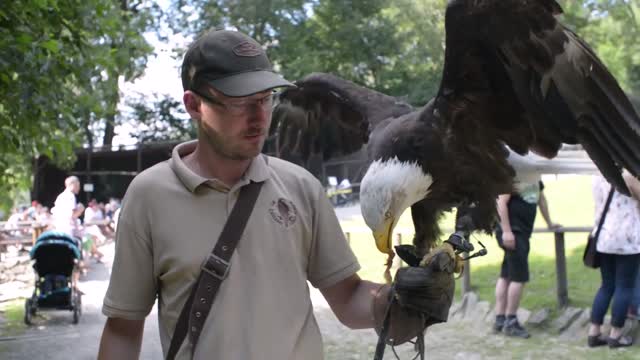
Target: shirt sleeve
{"x": 132, "y": 289}
{"x": 331, "y": 258}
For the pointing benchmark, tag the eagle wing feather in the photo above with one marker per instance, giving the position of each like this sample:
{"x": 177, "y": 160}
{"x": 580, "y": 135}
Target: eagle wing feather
{"x": 329, "y": 115}
{"x": 535, "y": 83}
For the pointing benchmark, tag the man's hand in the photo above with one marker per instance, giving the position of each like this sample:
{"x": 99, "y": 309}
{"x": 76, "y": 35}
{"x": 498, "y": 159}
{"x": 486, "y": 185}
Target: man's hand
{"x": 428, "y": 289}
{"x": 508, "y": 240}
{"x": 423, "y": 296}
{"x": 425, "y": 291}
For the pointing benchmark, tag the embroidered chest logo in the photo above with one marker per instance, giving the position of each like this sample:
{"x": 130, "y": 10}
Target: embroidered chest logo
{"x": 283, "y": 212}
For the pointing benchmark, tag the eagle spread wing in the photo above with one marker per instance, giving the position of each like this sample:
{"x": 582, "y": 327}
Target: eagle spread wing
{"x": 512, "y": 66}
{"x": 328, "y": 115}
{"x": 513, "y": 76}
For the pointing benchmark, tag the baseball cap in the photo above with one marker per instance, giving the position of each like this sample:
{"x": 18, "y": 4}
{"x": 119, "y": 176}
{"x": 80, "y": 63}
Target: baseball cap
{"x": 231, "y": 62}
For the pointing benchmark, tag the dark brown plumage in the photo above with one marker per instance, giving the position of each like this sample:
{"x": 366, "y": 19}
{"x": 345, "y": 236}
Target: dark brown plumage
{"x": 513, "y": 75}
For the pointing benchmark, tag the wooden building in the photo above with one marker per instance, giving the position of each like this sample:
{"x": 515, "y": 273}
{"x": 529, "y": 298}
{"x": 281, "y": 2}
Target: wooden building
{"x": 104, "y": 173}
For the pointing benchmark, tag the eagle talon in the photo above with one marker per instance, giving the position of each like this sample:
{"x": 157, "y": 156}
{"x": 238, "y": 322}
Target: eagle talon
{"x": 444, "y": 258}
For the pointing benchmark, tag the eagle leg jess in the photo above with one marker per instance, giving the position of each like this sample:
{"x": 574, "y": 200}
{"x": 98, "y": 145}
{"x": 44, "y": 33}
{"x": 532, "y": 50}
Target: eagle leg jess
{"x": 444, "y": 258}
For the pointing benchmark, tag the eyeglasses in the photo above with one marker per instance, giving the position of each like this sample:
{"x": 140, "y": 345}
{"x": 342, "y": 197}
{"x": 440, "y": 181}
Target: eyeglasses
{"x": 239, "y": 107}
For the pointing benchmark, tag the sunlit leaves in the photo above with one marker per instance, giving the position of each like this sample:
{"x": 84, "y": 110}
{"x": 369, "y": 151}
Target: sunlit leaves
{"x": 53, "y": 58}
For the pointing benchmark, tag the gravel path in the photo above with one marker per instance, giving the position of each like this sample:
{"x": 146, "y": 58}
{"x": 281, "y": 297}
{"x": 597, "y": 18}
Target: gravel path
{"x": 53, "y": 337}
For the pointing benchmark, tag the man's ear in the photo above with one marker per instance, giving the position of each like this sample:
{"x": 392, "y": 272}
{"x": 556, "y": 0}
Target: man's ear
{"x": 192, "y": 104}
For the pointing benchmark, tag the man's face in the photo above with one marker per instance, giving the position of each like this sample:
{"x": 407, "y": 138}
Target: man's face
{"x": 235, "y": 128}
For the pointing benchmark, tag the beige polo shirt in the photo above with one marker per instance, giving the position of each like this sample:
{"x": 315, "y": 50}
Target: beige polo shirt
{"x": 170, "y": 221}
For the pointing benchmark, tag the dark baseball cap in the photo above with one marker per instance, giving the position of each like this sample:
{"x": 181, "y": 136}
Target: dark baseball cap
{"x": 231, "y": 62}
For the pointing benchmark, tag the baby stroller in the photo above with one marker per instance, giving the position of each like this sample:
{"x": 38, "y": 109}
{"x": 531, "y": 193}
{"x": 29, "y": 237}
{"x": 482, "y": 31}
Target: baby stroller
{"x": 56, "y": 256}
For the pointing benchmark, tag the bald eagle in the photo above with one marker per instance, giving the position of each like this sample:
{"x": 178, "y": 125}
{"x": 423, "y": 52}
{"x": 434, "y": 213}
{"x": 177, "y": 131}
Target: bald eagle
{"x": 514, "y": 79}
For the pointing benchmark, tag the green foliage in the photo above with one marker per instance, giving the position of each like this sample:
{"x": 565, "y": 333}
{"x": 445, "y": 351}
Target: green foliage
{"x": 162, "y": 120}
{"x": 392, "y": 46}
{"x": 60, "y": 61}
{"x": 612, "y": 28}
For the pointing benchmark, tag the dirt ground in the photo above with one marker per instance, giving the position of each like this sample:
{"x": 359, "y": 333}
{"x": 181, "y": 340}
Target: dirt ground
{"x": 461, "y": 340}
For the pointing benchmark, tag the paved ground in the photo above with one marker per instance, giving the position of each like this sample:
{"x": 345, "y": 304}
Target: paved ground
{"x": 55, "y": 338}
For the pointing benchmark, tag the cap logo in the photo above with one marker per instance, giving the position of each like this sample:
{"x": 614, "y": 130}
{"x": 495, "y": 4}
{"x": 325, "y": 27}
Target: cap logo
{"x": 247, "y": 49}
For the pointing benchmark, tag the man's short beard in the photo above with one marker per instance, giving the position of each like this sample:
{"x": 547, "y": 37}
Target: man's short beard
{"x": 218, "y": 144}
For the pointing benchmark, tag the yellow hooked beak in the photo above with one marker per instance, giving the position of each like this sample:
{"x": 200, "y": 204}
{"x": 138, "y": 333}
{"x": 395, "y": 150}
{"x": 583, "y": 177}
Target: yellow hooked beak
{"x": 384, "y": 235}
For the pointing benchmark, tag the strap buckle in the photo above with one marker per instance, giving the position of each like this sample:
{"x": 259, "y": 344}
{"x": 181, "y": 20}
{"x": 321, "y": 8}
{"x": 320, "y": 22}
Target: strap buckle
{"x": 216, "y": 267}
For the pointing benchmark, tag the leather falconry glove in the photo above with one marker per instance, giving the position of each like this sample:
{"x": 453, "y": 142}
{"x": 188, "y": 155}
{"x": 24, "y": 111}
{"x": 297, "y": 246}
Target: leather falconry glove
{"x": 422, "y": 295}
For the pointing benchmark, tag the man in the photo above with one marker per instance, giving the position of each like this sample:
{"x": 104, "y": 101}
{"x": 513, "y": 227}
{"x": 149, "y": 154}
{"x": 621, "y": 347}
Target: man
{"x": 65, "y": 213}
{"x": 517, "y": 213}
{"x": 66, "y": 209}
{"x": 173, "y": 213}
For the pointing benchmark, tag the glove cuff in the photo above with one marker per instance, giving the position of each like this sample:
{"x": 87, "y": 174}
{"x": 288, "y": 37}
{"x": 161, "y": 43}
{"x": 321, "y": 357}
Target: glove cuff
{"x": 404, "y": 325}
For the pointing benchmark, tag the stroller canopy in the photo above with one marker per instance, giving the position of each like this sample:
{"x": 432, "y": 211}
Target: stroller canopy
{"x": 54, "y": 253}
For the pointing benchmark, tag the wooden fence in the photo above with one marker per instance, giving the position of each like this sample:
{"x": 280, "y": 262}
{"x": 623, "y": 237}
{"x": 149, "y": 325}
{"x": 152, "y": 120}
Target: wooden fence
{"x": 562, "y": 283}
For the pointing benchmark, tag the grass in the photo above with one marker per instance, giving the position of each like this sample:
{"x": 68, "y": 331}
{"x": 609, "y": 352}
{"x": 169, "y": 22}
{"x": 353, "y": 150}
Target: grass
{"x": 571, "y": 204}
{"x": 13, "y": 318}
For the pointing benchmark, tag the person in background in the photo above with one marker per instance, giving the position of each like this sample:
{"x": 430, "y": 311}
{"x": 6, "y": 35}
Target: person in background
{"x": 65, "y": 217}
{"x": 93, "y": 235}
{"x": 19, "y": 214}
{"x": 66, "y": 210}
{"x": 619, "y": 248}
{"x": 517, "y": 214}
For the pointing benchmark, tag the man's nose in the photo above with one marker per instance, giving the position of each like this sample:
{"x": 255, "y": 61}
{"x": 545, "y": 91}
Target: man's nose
{"x": 260, "y": 114}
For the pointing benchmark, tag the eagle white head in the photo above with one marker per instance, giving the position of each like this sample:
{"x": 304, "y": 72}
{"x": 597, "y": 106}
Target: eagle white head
{"x": 387, "y": 189}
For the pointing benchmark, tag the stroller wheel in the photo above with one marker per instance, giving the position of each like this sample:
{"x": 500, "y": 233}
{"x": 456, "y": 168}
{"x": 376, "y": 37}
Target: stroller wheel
{"x": 28, "y": 311}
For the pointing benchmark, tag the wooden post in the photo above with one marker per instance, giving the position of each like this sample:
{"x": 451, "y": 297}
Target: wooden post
{"x": 88, "y": 195}
{"x": 348, "y": 236}
{"x": 139, "y": 157}
{"x": 561, "y": 271}
{"x": 466, "y": 275}
{"x": 397, "y": 240}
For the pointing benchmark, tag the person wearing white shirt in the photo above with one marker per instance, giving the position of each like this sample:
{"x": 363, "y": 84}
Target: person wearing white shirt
{"x": 66, "y": 209}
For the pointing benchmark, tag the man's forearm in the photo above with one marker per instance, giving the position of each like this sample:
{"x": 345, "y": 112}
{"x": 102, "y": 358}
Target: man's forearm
{"x": 361, "y": 304}
{"x": 358, "y": 312}
{"x": 121, "y": 339}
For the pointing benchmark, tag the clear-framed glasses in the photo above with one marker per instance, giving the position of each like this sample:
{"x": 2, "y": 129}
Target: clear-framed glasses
{"x": 239, "y": 107}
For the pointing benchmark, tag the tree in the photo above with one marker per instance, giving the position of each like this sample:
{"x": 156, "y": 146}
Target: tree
{"x": 612, "y": 29}
{"x": 59, "y": 65}
{"x": 392, "y": 46}
{"x": 162, "y": 120}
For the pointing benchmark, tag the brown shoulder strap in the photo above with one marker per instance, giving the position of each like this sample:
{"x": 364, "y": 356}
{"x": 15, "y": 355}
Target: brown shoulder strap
{"x": 214, "y": 271}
